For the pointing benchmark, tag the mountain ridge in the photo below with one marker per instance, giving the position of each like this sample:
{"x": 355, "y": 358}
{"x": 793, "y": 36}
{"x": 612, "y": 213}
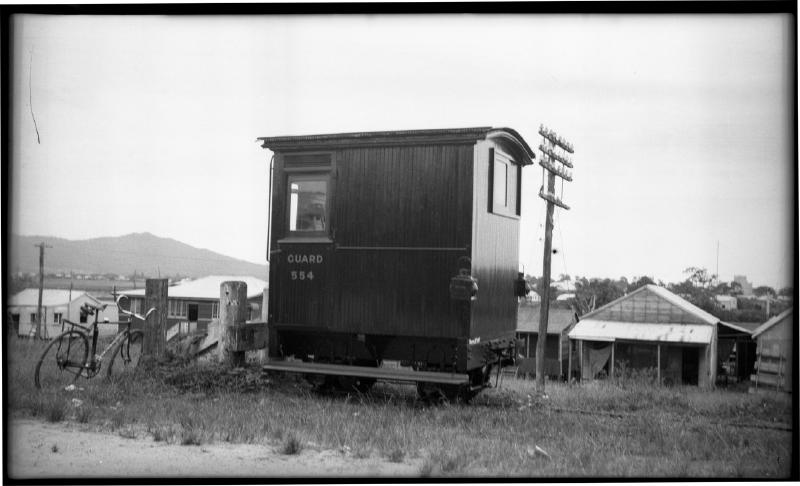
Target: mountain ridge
{"x": 143, "y": 252}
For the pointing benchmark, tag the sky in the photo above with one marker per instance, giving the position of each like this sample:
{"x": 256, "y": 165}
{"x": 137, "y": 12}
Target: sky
{"x": 682, "y": 125}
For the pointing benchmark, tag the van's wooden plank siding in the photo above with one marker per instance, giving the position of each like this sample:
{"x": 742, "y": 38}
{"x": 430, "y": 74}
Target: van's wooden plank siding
{"x": 408, "y": 197}
{"x": 495, "y": 258}
{"x": 411, "y": 197}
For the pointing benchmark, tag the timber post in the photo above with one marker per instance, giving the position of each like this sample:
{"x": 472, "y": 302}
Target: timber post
{"x": 233, "y": 310}
{"x": 154, "y": 344}
{"x": 549, "y": 161}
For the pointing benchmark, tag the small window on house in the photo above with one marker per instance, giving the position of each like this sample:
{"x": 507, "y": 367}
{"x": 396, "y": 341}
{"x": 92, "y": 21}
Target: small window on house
{"x": 57, "y": 317}
{"x": 177, "y": 308}
{"x": 308, "y": 203}
{"x": 215, "y": 310}
{"x": 503, "y": 184}
{"x": 33, "y": 317}
{"x": 84, "y": 317}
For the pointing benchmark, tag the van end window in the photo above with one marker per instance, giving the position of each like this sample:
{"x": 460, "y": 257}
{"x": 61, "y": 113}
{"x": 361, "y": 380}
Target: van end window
{"x": 308, "y": 203}
{"x": 504, "y": 187}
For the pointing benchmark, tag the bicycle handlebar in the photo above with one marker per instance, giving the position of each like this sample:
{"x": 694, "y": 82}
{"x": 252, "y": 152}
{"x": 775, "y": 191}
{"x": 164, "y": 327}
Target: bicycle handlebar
{"x": 133, "y": 314}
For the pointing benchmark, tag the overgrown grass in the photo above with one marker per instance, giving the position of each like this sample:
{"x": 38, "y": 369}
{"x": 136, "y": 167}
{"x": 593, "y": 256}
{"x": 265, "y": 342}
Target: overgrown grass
{"x": 608, "y": 429}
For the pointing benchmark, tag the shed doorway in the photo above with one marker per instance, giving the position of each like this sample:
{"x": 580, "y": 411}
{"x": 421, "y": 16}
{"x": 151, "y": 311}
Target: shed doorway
{"x": 191, "y": 312}
{"x": 690, "y": 366}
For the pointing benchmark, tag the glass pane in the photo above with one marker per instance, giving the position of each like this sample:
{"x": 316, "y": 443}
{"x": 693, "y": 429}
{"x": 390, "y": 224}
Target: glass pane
{"x": 307, "y": 205}
{"x": 500, "y": 185}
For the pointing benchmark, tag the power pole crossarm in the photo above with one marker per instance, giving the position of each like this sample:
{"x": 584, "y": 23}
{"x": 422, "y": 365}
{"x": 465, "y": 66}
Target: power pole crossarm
{"x": 553, "y": 164}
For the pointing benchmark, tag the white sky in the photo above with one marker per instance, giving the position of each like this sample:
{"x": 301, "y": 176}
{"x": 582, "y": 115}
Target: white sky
{"x": 681, "y": 124}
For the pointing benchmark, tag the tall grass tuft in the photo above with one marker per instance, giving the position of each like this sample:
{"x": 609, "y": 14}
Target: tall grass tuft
{"x": 291, "y": 445}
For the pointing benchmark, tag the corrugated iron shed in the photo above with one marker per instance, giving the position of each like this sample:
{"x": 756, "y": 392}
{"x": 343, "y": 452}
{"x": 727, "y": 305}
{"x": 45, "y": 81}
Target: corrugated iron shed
{"x": 775, "y": 319}
{"x": 594, "y": 330}
{"x": 558, "y": 319}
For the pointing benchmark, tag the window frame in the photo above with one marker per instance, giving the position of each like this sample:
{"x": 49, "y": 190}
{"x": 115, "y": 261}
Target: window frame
{"x": 176, "y": 308}
{"x": 308, "y": 174}
{"x": 511, "y": 206}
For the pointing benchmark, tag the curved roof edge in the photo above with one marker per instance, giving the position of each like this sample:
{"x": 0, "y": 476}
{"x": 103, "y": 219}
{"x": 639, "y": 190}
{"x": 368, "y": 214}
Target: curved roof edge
{"x": 512, "y": 135}
{"x": 294, "y": 142}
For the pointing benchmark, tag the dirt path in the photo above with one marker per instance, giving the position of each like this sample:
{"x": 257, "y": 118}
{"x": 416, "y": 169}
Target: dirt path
{"x": 45, "y": 450}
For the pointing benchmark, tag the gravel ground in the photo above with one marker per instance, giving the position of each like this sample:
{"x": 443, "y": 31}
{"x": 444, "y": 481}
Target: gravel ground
{"x": 62, "y": 450}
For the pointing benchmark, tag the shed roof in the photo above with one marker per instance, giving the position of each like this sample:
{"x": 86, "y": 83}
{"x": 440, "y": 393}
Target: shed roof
{"x": 664, "y": 308}
{"x": 50, "y": 297}
{"x": 596, "y": 330}
{"x": 405, "y": 136}
{"x": 207, "y": 288}
{"x": 787, "y": 314}
{"x": 558, "y": 319}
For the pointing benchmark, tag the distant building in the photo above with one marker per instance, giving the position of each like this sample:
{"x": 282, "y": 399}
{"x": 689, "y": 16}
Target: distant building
{"x": 559, "y": 321}
{"x": 726, "y": 302}
{"x": 747, "y": 287}
{"x": 774, "y": 352}
{"x": 57, "y": 306}
{"x": 192, "y": 305}
{"x": 652, "y": 328}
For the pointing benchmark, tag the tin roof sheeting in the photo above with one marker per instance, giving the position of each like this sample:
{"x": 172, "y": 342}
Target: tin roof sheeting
{"x": 50, "y": 297}
{"x": 207, "y": 288}
{"x": 594, "y": 330}
{"x": 775, "y": 319}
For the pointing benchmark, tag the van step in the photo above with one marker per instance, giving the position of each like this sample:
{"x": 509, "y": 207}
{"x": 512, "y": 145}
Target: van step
{"x": 393, "y": 374}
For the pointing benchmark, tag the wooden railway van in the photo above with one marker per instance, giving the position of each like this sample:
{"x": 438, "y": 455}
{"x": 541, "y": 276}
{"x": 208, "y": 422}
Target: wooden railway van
{"x": 395, "y": 246}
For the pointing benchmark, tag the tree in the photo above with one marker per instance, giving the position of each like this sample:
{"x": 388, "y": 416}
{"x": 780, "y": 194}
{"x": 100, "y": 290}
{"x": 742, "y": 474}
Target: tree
{"x": 786, "y": 292}
{"x": 597, "y": 292}
{"x": 640, "y": 282}
{"x": 764, "y": 290}
{"x": 699, "y": 277}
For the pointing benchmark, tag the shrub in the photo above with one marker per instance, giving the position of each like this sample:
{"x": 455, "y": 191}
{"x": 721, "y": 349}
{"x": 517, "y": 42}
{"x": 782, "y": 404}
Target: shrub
{"x": 291, "y": 445}
{"x": 55, "y": 411}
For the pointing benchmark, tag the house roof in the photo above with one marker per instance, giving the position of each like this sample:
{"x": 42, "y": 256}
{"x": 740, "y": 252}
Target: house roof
{"x": 596, "y": 330}
{"x": 207, "y": 288}
{"x": 388, "y": 137}
{"x": 776, "y": 319}
{"x": 675, "y": 309}
{"x": 50, "y": 297}
{"x": 558, "y": 319}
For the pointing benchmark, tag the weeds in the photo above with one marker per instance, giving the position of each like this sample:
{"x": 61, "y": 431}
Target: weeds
{"x": 55, "y": 411}
{"x": 589, "y": 429}
{"x": 291, "y": 445}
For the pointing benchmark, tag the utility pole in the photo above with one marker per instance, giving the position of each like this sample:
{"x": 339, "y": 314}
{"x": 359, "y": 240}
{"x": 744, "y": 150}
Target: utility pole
{"x": 553, "y": 163}
{"x": 41, "y": 246}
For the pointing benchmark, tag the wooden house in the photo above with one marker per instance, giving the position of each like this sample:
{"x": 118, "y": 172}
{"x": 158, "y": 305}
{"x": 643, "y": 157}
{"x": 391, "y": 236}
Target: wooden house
{"x": 371, "y": 231}
{"x": 560, "y": 320}
{"x": 774, "y": 360}
{"x": 57, "y": 305}
{"x": 652, "y": 328}
{"x": 194, "y": 304}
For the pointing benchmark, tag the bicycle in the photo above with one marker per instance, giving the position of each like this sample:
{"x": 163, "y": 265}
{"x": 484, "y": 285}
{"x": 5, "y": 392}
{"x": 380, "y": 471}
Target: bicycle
{"x": 69, "y": 354}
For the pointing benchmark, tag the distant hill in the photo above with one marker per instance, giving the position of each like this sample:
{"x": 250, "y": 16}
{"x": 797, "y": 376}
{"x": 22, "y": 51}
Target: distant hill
{"x": 124, "y": 255}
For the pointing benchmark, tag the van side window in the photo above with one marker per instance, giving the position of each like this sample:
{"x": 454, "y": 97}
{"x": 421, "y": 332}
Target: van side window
{"x": 308, "y": 202}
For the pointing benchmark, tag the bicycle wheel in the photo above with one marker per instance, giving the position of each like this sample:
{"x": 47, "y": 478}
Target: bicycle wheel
{"x": 62, "y": 360}
{"x": 125, "y": 357}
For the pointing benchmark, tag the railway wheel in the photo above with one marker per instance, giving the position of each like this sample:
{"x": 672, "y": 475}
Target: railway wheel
{"x": 62, "y": 361}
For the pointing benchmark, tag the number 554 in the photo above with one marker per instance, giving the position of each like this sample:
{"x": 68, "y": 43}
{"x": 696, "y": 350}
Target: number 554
{"x": 302, "y": 275}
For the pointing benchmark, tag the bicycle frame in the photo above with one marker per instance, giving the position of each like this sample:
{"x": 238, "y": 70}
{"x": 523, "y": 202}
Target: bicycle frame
{"x": 92, "y": 364}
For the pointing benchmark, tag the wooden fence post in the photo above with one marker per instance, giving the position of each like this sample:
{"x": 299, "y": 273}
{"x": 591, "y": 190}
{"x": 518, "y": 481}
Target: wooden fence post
{"x": 233, "y": 309}
{"x": 154, "y": 345}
